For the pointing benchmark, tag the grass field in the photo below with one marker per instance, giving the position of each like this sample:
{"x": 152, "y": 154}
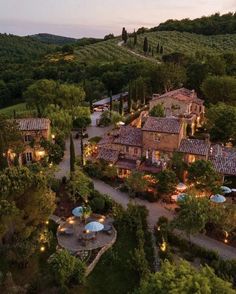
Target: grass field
{"x": 20, "y": 110}
{"x": 185, "y": 42}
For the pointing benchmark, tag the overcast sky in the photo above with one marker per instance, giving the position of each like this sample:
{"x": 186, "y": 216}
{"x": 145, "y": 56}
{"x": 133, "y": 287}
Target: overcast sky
{"x": 95, "y": 18}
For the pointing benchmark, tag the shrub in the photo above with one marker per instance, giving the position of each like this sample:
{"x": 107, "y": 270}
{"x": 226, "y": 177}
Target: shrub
{"x": 66, "y": 268}
{"x": 95, "y": 139}
{"x": 97, "y": 204}
{"x": 93, "y": 170}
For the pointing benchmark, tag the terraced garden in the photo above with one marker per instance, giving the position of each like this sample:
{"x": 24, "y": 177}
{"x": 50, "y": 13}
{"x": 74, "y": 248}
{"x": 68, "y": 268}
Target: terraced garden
{"x": 105, "y": 51}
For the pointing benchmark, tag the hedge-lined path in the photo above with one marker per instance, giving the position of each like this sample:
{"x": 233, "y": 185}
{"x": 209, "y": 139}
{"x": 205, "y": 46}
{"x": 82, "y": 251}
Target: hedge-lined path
{"x": 156, "y": 210}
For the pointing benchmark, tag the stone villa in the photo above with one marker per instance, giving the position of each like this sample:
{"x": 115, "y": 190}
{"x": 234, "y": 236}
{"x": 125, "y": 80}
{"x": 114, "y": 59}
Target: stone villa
{"x": 33, "y": 131}
{"x": 149, "y": 148}
{"x": 181, "y": 102}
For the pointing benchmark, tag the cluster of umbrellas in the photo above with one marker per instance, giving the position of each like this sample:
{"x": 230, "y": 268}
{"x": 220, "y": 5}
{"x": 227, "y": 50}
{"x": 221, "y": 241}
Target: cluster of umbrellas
{"x": 92, "y": 226}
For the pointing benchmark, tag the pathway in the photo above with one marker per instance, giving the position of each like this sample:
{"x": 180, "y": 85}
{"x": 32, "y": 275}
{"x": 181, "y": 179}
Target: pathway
{"x": 93, "y": 131}
{"x": 121, "y": 43}
{"x": 156, "y": 210}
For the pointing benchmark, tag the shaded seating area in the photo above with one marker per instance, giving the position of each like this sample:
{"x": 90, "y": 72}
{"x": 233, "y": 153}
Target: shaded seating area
{"x": 78, "y": 234}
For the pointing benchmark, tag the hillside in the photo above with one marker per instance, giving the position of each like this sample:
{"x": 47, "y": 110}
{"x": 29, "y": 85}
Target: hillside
{"x": 60, "y": 40}
{"x": 53, "y": 39}
{"x": 105, "y": 51}
{"x": 187, "y": 43}
{"x": 184, "y": 42}
{"x": 21, "y": 49}
{"x": 215, "y": 24}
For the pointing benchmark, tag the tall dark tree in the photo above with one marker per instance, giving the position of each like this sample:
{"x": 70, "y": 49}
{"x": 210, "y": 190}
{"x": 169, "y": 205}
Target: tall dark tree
{"x": 130, "y": 98}
{"x": 124, "y": 35}
{"x": 81, "y": 122}
{"x": 158, "y": 48}
{"x": 145, "y": 45}
{"x": 135, "y": 38}
{"x": 161, "y": 50}
{"x": 111, "y": 106}
{"x": 72, "y": 154}
{"x": 121, "y": 105}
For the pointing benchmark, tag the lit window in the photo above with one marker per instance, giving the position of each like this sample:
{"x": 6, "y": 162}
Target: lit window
{"x": 191, "y": 158}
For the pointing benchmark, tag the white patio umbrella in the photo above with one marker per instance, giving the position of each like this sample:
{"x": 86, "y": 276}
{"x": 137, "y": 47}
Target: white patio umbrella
{"x": 225, "y": 190}
{"x": 217, "y": 198}
{"x": 181, "y": 187}
{"x": 78, "y": 211}
{"x": 94, "y": 227}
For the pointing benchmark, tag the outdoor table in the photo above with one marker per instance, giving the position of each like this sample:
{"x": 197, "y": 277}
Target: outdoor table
{"x": 88, "y": 236}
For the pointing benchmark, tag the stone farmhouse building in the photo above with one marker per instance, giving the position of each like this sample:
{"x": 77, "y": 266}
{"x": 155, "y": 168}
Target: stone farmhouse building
{"x": 33, "y": 130}
{"x": 150, "y": 148}
{"x": 181, "y": 102}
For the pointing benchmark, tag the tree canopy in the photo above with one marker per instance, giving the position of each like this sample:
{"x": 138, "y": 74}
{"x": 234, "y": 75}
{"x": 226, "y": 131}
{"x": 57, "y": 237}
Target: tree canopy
{"x": 203, "y": 176}
{"x": 157, "y": 111}
{"x": 221, "y": 122}
{"x": 26, "y": 202}
{"x": 183, "y": 278}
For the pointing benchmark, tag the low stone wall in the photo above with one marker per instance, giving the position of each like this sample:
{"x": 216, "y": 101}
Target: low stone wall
{"x": 100, "y": 253}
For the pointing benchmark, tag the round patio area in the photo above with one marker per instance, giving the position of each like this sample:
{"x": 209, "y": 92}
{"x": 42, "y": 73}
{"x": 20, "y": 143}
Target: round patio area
{"x": 72, "y": 235}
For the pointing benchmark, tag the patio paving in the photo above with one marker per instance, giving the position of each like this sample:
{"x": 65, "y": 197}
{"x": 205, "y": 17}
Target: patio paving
{"x": 75, "y": 228}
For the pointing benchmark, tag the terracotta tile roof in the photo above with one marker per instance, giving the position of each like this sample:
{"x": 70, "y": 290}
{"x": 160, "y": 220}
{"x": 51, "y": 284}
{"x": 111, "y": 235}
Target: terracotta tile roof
{"x": 108, "y": 155}
{"x": 181, "y": 94}
{"x": 162, "y": 125}
{"x": 106, "y": 140}
{"x": 194, "y": 146}
{"x": 223, "y": 159}
{"x": 126, "y": 164}
{"x": 144, "y": 167}
{"x": 33, "y": 124}
{"x": 224, "y": 165}
{"x": 129, "y": 136}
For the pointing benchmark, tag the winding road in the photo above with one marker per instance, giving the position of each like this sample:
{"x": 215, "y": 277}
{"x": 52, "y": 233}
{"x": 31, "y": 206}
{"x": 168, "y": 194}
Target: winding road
{"x": 155, "y": 209}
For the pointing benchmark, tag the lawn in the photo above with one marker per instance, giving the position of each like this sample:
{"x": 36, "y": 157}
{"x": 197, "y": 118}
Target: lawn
{"x": 114, "y": 273}
{"x": 20, "y": 110}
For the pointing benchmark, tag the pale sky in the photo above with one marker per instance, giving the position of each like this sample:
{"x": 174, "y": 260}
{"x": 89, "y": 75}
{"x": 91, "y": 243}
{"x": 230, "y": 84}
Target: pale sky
{"x": 96, "y": 18}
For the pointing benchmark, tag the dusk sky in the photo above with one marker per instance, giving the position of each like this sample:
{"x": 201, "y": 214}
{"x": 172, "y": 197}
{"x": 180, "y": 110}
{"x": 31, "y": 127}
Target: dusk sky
{"x": 96, "y": 18}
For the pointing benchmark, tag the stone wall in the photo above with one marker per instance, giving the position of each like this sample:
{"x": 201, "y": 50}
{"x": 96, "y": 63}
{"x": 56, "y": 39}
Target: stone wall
{"x": 100, "y": 253}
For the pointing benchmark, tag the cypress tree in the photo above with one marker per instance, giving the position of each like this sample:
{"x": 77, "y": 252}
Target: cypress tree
{"x": 129, "y": 99}
{"x": 161, "y": 50}
{"x": 121, "y": 105}
{"x": 135, "y": 38}
{"x": 124, "y": 35}
{"x": 72, "y": 155}
{"x": 110, "y": 102}
{"x": 145, "y": 45}
{"x": 158, "y": 48}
